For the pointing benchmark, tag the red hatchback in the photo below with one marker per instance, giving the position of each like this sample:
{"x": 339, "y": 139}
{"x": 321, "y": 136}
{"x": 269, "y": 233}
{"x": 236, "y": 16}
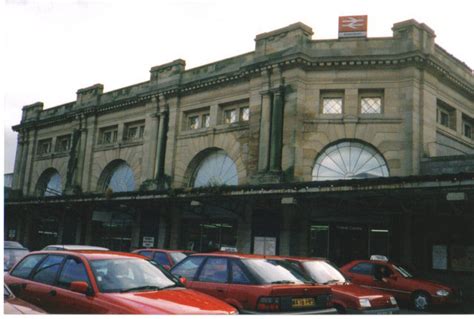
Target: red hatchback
{"x": 254, "y": 284}
{"x": 166, "y": 258}
{"x": 105, "y": 282}
{"x": 347, "y": 297}
{"x": 396, "y": 280}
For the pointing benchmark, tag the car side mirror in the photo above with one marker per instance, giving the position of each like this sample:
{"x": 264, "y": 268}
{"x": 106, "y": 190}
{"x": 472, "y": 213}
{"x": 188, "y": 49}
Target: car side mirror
{"x": 393, "y": 277}
{"x": 182, "y": 280}
{"x": 167, "y": 267}
{"x": 80, "y": 286}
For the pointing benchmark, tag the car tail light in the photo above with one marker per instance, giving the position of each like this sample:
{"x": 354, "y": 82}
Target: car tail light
{"x": 268, "y": 304}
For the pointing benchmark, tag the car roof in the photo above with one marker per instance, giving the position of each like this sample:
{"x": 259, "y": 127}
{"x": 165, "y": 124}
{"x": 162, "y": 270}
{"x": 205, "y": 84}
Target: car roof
{"x": 303, "y": 258}
{"x": 75, "y": 247}
{"x": 13, "y": 244}
{"x": 236, "y": 255}
{"x": 162, "y": 250}
{"x": 379, "y": 262}
{"x": 90, "y": 254}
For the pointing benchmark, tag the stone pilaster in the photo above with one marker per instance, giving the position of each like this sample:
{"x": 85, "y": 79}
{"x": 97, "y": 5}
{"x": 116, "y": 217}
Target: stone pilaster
{"x": 276, "y": 136}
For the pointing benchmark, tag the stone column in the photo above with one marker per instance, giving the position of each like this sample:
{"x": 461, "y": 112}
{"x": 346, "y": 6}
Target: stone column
{"x": 135, "y": 240}
{"x": 287, "y": 213}
{"x": 162, "y": 227}
{"x": 276, "y": 131}
{"x": 175, "y": 227}
{"x": 244, "y": 231}
{"x": 29, "y": 160}
{"x": 264, "y": 138}
{"x": 81, "y": 151}
{"x": 161, "y": 146}
{"x": 18, "y": 168}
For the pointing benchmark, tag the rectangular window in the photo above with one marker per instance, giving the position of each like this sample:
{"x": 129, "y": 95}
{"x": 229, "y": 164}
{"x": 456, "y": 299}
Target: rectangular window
{"x": 371, "y": 105}
{"x": 197, "y": 119}
{"x": 44, "y": 146}
{"x": 206, "y": 120}
{"x": 467, "y": 124}
{"x": 331, "y": 102}
{"x": 446, "y": 115}
{"x": 134, "y": 131}
{"x": 108, "y": 135}
{"x": 244, "y": 114}
{"x": 63, "y": 143}
{"x": 231, "y": 116}
{"x": 193, "y": 122}
{"x": 371, "y": 101}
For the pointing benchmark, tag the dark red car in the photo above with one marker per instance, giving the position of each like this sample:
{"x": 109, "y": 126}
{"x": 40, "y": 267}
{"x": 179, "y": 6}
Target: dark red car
{"x": 105, "y": 282}
{"x": 347, "y": 297}
{"x": 398, "y": 281}
{"x": 166, "y": 258}
{"x": 254, "y": 284}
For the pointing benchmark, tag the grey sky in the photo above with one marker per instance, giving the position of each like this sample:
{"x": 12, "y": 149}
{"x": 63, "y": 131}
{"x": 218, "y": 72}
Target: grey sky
{"x": 54, "y": 47}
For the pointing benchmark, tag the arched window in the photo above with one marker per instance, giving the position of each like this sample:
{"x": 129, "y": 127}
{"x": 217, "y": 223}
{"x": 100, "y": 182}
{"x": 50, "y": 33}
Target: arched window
{"x": 217, "y": 168}
{"x": 118, "y": 176}
{"x": 49, "y": 183}
{"x": 349, "y": 160}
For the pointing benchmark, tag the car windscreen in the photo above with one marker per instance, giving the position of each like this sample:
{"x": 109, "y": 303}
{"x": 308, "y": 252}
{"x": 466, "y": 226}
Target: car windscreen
{"x": 130, "y": 274}
{"x": 405, "y": 273}
{"x": 12, "y": 256}
{"x": 275, "y": 271}
{"x": 323, "y": 272}
{"x": 177, "y": 256}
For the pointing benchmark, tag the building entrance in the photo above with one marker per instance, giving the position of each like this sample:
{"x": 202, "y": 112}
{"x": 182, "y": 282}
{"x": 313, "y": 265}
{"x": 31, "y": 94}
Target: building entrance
{"x": 342, "y": 242}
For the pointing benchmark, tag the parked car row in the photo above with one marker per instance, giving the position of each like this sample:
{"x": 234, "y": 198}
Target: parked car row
{"x": 67, "y": 279}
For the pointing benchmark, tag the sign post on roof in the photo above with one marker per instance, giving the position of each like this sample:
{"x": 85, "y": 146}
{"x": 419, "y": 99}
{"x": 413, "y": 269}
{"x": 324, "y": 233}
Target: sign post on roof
{"x": 352, "y": 26}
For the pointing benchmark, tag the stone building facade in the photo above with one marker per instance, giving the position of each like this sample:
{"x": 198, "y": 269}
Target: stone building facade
{"x": 302, "y": 147}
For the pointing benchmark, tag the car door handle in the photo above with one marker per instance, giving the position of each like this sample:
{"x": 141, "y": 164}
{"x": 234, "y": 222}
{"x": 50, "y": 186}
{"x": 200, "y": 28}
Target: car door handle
{"x": 53, "y": 293}
{"x": 220, "y": 290}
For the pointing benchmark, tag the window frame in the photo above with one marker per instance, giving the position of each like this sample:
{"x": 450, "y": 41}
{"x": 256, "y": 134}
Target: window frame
{"x": 198, "y": 268}
{"x": 198, "y": 274}
{"x": 237, "y": 106}
{"x": 55, "y": 281}
{"x": 444, "y": 109}
{"x": 42, "y": 257}
{"x": 139, "y": 126}
{"x": 200, "y": 114}
{"x": 331, "y": 95}
{"x": 469, "y": 123}
{"x": 351, "y": 270}
{"x": 113, "y": 130}
{"x": 48, "y": 142}
{"x": 238, "y": 263}
{"x": 58, "y": 144}
{"x": 371, "y": 94}
{"x": 58, "y": 283}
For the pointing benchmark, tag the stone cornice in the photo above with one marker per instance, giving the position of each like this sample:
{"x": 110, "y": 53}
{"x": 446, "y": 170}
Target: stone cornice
{"x": 301, "y": 60}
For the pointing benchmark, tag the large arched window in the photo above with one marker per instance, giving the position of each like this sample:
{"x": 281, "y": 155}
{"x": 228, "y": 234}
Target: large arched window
{"x": 349, "y": 160}
{"x": 118, "y": 176}
{"x": 217, "y": 168}
{"x": 49, "y": 183}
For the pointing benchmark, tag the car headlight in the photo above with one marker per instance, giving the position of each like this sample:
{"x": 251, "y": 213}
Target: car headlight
{"x": 364, "y": 303}
{"x": 393, "y": 300}
{"x": 442, "y": 293}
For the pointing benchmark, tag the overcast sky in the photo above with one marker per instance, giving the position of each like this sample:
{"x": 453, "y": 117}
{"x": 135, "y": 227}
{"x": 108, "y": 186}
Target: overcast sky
{"x": 54, "y": 47}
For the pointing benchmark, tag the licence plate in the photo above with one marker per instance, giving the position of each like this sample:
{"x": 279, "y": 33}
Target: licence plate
{"x": 303, "y": 302}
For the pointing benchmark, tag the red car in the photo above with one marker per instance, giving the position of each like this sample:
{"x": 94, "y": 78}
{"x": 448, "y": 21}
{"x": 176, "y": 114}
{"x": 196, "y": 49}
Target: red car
{"x": 105, "y": 282}
{"x": 14, "y": 306}
{"x": 347, "y": 297}
{"x": 396, "y": 280}
{"x": 166, "y": 258}
{"x": 254, "y": 284}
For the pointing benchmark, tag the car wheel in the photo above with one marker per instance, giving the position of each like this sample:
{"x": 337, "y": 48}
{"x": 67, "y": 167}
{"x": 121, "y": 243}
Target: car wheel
{"x": 421, "y": 301}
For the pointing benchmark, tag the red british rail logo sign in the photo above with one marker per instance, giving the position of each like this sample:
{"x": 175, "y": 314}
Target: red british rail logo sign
{"x": 352, "y": 26}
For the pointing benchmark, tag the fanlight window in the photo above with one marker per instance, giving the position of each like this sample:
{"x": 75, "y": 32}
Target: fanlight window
{"x": 121, "y": 179}
{"x": 349, "y": 160}
{"x": 216, "y": 169}
{"x": 53, "y": 187}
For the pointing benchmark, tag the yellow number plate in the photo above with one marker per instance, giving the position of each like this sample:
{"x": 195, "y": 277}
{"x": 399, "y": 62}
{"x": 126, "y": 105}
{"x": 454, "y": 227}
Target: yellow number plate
{"x": 303, "y": 302}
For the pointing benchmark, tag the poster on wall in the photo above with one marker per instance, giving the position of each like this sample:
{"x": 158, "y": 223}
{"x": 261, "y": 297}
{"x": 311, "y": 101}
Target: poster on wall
{"x": 440, "y": 257}
{"x": 148, "y": 242}
{"x": 462, "y": 258}
{"x": 264, "y": 245}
